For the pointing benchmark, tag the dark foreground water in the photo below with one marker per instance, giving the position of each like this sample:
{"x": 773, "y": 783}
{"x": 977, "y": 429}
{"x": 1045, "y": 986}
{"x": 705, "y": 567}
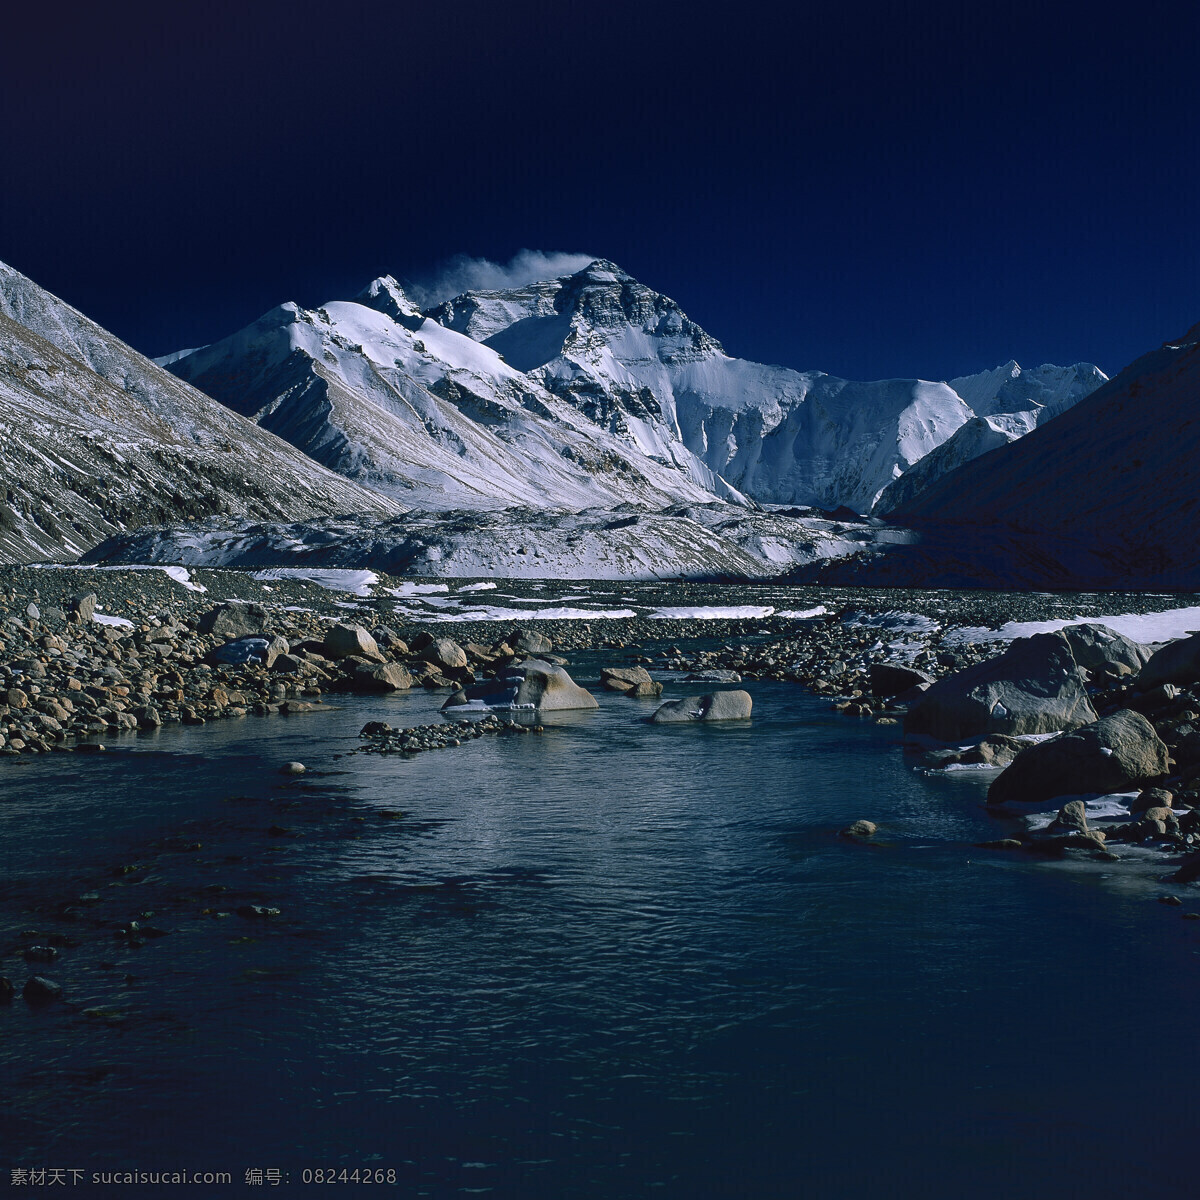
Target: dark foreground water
{"x": 611, "y": 960}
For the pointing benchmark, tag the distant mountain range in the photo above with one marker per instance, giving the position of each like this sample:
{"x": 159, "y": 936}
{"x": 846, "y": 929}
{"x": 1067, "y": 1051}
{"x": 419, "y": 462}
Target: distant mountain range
{"x": 580, "y": 425}
{"x": 585, "y": 391}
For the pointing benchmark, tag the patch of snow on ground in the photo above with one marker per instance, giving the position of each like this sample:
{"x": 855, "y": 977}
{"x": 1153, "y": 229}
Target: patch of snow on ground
{"x": 491, "y": 613}
{"x": 711, "y": 614}
{"x": 332, "y": 579}
{"x": 477, "y": 587}
{"x": 105, "y": 619}
{"x": 405, "y": 590}
{"x": 802, "y": 614}
{"x": 1146, "y": 628}
{"x": 438, "y": 601}
{"x": 1116, "y": 804}
{"x": 904, "y": 622}
{"x": 179, "y": 574}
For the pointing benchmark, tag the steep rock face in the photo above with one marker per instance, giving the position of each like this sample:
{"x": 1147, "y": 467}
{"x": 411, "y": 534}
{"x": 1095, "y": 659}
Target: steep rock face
{"x": 95, "y": 438}
{"x": 632, "y": 361}
{"x": 399, "y": 403}
{"x": 1105, "y": 495}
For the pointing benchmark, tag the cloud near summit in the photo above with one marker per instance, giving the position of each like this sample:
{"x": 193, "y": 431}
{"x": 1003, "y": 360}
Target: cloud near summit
{"x": 464, "y": 274}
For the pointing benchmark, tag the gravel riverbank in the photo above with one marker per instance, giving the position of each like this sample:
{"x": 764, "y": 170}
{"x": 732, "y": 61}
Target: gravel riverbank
{"x": 88, "y": 654}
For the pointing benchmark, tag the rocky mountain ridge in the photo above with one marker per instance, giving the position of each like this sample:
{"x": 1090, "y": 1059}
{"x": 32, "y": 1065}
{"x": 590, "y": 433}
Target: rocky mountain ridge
{"x": 95, "y": 438}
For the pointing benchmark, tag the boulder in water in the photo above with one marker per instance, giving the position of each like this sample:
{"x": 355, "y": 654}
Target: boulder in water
{"x": 859, "y": 829}
{"x": 623, "y": 679}
{"x": 533, "y": 683}
{"x": 732, "y": 705}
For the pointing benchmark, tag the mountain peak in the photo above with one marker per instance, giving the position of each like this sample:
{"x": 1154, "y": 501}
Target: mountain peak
{"x": 385, "y": 295}
{"x": 601, "y": 270}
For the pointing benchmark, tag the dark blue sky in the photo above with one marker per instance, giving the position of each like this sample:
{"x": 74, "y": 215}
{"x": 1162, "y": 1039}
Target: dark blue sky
{"x": 889, "y": 189}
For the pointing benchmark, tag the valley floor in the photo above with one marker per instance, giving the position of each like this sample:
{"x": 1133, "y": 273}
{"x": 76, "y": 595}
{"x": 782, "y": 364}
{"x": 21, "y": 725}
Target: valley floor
{"x": 608, "y": 957}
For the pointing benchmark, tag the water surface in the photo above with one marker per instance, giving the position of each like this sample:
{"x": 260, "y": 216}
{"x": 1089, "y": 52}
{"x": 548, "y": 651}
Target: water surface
{"x": 607, "y": 960}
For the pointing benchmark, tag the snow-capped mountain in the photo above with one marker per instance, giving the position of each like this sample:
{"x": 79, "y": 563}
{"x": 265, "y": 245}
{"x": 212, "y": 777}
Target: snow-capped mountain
{"x": 969, "y": 441}
{"x": 376, "y": 391}
{"x": 631, "y": 360}
{"x": 1105, "y": 495}
{"x": 584, "y": 391}
{"x": 1009, "y": 403}
{"x": 1046, "y": 390}
{"x": 94, "y": 439}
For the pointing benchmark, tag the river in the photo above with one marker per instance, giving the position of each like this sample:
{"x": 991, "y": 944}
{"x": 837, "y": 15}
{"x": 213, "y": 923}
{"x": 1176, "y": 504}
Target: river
{"x": 606, "y": 960}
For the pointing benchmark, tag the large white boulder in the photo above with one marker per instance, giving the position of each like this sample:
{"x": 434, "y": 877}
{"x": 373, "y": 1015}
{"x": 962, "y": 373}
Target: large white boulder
{"x": 534, "y": 683}
{"x": 732, "y": 705}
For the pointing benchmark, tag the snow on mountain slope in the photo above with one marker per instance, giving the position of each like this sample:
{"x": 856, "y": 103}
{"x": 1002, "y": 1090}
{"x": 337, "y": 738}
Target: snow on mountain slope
{"x": 969, "y": 441}
{"x": 1105, "y": 495}
{"x": 381, "y": 394}
{"x": 586, "y": 391}
{"x": 1048, "y": 390}
{"x": 1011, "y": 403}
{"x": 95, "y": 438}
{"x": 633, "y": 363}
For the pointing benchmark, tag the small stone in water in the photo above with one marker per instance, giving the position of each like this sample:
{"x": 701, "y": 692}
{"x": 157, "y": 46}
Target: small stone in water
{"x": 860, "y": 829}
{"x": 39, "y": 990}
{"x": 293, "y": 768}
